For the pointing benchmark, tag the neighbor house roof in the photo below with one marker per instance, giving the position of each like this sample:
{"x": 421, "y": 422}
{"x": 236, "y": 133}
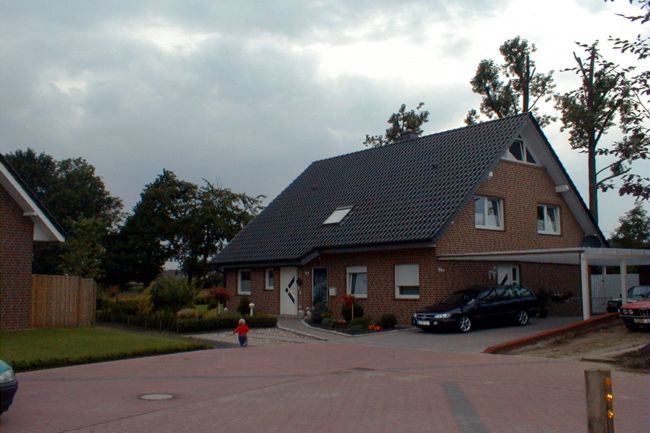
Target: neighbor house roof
{"x": 46, "y": 228}
{"x": 403, "y": 194}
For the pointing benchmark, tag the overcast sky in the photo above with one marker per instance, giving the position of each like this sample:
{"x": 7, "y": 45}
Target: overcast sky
{"x": 248, "y": 93}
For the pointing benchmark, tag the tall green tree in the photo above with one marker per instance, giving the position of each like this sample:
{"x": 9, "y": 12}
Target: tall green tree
{"x": 175, "y": 220}
{"x": 637, "y": 116}
{"x": 401, "y": 123}
{"x": 216, "y": 216}
{"x": 78, "y": 199}
{"x": 633, "y": 230}
{"x": 513, "y": 87}
{"x": 590, "y": 111}
{"x": 150, "y": 235}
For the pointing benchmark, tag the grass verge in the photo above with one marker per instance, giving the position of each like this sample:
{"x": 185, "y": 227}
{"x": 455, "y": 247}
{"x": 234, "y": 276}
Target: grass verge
{"x": 35, "y": 349}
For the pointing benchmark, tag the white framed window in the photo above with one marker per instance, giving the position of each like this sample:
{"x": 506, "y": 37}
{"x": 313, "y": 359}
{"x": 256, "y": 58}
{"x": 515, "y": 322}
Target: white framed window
{"x": 548, "y": 219}
{"x": 518, "y": 151}
{"x": 269, "y": 279}
{"x": 488, "y": 213}
{"x": 407, "y": 281}
{"x": 337, "y": 215}
{"x": 244, "y": 282}
{"x": 357, "y": 281}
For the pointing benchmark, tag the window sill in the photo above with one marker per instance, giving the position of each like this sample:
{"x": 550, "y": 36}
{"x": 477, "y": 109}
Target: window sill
{"x": 244, "y": 293}
{"x": 550, "y": 233}
{"x": 358, "y": 296}
{"x": 495, "y": 229}
{"x": 407, "y": 297}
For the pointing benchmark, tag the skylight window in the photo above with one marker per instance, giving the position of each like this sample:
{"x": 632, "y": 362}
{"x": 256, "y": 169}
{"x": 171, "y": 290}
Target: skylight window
{"x": 338, "y": 215}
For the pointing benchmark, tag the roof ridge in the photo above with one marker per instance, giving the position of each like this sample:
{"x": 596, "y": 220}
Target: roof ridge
{"x": 439, "y": 133}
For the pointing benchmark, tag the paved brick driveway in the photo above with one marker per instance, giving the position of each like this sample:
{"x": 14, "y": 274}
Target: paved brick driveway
{"x": 320, "y": 387}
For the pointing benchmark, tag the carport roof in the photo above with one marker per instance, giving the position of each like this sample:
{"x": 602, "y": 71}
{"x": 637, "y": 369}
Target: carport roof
{"x": 566, "y": 256}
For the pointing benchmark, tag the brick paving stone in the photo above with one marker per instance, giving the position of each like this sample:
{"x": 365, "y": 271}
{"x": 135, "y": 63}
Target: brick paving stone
{"x": 319, "y": 387}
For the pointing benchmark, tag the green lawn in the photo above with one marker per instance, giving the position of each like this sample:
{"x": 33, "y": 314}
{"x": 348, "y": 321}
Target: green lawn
{"x": 44, "y": 348}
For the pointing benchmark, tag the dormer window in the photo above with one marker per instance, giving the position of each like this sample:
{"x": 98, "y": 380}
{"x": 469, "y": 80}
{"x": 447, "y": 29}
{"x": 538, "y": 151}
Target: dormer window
{"x": 338, "y": 215}
{"x": 518, "y": 151}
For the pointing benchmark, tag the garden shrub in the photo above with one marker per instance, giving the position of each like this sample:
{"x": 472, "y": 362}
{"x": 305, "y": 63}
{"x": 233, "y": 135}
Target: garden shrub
{"x": 224, "y": 321}
{"x": 327, "y": 321}
{"x": 171, "y": 293}
{"x": 359, "y": 322}
{"x": 261, "y": 320}
{"x": 319, "y": 312}
{"x": 123, "y": 307}
{"x": 388, "y": 321}
{"x": 186, "y": 313}
{"x": 243, "y": 307}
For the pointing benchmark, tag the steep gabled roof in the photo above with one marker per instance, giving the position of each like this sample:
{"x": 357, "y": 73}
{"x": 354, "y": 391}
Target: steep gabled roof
{"x": 46, "y": 228}
{"x": 401, "y": 194}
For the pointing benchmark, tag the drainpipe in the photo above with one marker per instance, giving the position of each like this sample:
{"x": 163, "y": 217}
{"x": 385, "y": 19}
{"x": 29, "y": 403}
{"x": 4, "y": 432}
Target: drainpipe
{"x": 584, "y": 281}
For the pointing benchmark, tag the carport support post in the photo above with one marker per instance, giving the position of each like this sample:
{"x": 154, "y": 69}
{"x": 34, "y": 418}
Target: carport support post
{"x": 623, "y": 268}
{"x": 584, "y": 281}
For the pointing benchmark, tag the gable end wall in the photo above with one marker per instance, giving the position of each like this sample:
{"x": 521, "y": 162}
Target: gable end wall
{"x": 522, "y": 187}
{"x": 16, "y": 248}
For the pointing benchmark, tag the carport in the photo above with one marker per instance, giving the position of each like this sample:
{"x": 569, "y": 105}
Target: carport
{"x": 583, "y": 257}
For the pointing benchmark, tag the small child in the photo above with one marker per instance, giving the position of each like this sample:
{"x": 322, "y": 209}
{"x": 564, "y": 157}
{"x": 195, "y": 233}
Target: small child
{"x": 242, "y": 329}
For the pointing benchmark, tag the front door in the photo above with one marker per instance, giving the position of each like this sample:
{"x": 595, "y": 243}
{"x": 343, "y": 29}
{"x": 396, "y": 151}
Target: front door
{"x": 508, "y": 274}
{"x": 319, "y": 285}
{"x": 289, "y": 291}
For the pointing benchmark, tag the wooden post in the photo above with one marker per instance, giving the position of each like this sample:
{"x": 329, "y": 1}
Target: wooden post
{"x": 600, "y": 411}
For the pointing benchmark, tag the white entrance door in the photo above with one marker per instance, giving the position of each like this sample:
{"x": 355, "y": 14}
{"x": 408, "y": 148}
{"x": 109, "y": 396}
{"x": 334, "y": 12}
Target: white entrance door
{"x": 508, "y": 274}
{"x": 289, "y": 291}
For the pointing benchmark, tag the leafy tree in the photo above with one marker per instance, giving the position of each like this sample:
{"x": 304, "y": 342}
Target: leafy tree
{"x": 83, "y": 252}
{"x": 512, "y": 87}
{"x": 590, "y": 111}
{"x": 216, "y": 216}
{"x": 177, "y": 220}
{"x": 633, "y": 230}
{"x": 149, "y": 237}
{"x": 637, "y": 115}
{"x": 78, "y": 199}
{"x": 401, "y": 123}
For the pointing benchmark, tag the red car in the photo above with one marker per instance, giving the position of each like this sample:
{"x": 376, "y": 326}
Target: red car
{"x": 635, "y": 315}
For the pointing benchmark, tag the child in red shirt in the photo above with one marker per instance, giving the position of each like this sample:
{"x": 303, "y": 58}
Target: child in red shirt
{"x": 242, "y": 329}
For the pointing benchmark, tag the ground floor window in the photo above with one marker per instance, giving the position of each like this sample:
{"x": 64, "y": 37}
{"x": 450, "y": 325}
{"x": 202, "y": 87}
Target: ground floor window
{"x": 407, "y": 281}
{"x": 319, "y": 285}
{"x": 269, "y": 279}
{"x": 244, "y": 282}
{"x": 357, "y": 277}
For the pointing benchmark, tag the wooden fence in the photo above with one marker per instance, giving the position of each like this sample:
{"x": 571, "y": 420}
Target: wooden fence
{"x": 59, "y": 301}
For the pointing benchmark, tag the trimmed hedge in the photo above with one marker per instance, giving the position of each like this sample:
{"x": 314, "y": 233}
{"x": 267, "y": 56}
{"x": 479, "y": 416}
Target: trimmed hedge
{"x": 169, "y": 321}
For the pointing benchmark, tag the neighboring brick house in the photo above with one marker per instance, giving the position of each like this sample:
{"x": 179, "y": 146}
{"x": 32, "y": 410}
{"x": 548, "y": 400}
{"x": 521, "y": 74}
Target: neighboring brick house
{"x": 23, "y": 220}
{"x": 391, "y": 225}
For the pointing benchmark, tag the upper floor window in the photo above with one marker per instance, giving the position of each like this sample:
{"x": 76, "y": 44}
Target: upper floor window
{"x": 244, "y": 282}
{"x": 488, "y": 213}
{"x": 407, "y": 281}
{"x": 269, "y": 279}
{"x": 518, "y": 151}
{"x": 548, "y": 219}
{"x": 357, "y": 277}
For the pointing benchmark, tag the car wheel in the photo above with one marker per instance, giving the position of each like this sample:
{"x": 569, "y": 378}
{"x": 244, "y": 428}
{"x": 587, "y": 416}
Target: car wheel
{"x": 464, "y": 324}
{"x": 632, "y": 326}
{"x": 522, "y": 318}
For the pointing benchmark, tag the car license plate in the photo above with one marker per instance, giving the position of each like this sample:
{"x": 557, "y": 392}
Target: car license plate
{"x": 424, "y": 322}
{"x": 641, "y": 320}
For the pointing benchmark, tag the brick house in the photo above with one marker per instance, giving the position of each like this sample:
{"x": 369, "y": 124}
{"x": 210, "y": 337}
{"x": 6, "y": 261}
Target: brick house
{"x": 23, "y": 221}
{"x": 392, "y": 225}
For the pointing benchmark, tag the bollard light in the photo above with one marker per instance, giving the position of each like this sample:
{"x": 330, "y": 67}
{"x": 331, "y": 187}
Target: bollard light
{"x": 252, "y": 308}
